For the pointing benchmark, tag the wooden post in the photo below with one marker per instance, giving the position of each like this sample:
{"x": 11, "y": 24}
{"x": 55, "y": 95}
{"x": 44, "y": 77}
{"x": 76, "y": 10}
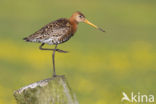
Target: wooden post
{"x": 49, "y": 91}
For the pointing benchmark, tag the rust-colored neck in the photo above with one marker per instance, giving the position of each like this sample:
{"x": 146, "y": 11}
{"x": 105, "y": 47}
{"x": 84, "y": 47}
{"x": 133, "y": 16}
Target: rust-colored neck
{"x": 74, "y": 24}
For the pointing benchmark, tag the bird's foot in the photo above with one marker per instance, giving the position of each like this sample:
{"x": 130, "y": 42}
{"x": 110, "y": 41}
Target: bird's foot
{"x": 54, "y": 76}
{"x": 61, "y": 51}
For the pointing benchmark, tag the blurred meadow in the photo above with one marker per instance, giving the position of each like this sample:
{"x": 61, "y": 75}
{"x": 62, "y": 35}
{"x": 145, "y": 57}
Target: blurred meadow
{"x": 99, "y": 66}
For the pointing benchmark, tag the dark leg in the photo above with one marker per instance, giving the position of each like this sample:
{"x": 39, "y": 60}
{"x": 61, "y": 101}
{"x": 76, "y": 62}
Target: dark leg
{"x": 53, "y": 56}
{"x": 58, "y": 50}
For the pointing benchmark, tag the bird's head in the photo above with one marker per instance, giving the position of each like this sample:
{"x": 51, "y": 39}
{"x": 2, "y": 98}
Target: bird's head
{"x": 79, "y": 17}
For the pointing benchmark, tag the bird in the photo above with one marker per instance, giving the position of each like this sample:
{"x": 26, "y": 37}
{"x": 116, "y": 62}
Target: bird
{"x": 57, "y": 32}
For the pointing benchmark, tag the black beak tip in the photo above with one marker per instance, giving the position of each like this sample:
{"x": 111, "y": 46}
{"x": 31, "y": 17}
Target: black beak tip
{"x": 102, "y": 30}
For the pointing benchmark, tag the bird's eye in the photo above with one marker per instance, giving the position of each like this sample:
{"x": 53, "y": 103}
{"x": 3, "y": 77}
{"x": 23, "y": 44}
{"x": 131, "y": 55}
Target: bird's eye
{"x": 80, "y": 16}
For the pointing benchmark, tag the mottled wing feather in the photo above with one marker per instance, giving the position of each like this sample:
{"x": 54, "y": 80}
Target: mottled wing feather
{"x": 55, "y": 32}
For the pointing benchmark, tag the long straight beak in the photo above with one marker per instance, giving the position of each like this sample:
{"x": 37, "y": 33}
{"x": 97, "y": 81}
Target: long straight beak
{"x": 89, "y": 23}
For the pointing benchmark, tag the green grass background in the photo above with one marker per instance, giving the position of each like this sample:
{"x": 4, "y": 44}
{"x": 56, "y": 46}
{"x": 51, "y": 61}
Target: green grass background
{"x": 99, "y": 66}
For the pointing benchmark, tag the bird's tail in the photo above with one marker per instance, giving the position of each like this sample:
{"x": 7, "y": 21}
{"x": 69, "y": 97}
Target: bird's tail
{"x": 26, "y": 39}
